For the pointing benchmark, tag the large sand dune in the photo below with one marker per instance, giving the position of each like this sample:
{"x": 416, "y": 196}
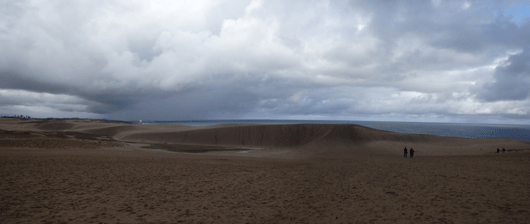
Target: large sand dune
{"x": 276, "y": 135}
{"x": 83, "y": 171}
{"x": 301, "y": 140}
{"x": 326, "y": 139}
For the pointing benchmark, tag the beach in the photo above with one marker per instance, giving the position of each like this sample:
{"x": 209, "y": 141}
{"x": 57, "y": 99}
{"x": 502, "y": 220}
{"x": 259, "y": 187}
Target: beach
{"x": 90, "y": 171}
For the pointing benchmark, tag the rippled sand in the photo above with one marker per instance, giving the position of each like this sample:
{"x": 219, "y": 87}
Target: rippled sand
{"x": 81, "y": 171}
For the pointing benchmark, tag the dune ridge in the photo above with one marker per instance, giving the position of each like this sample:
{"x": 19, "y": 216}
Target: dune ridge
{"x": 111, "y": 131}
{"x": 292, "y": 135}
{"x": 55, "y": 126}
{"x": 329, "y": 140}
{"x": 326, "y": 140}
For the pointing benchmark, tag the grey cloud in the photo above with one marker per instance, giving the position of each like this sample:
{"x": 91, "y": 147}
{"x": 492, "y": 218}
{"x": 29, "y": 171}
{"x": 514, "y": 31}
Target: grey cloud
{"x": 217, "y": 14}
{"x": 194, "y": 104}
{"x": 512, "y": 79}
{"x": 144, "y": 47}
{"x": 517, "y": 116}
{"x": 222, "y": 60}
{"x": 473, "y": 38}
{"x": 14, "y": 80}
{"x": 475, "y": 30}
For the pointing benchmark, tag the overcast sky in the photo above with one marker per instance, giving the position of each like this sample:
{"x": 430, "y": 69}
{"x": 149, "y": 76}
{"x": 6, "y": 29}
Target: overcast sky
{"x": 432, "y": 61}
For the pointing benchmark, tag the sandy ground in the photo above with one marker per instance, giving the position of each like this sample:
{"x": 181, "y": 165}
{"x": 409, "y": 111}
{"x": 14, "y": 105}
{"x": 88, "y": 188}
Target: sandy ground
{"x": 81, "y": 171}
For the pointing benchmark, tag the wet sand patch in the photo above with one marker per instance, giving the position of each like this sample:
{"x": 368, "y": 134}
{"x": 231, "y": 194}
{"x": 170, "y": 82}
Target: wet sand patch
{"x": 193, "y": 148}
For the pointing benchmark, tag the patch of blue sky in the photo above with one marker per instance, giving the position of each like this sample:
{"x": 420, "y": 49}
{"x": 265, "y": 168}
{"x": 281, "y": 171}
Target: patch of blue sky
{"x": 520, "y": 12}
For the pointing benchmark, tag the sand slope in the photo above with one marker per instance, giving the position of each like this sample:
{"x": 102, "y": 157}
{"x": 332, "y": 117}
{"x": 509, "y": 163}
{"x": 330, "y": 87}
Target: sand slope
{"x": 315, "y": 139}
{"x": 280, "y": 135}
{"x": 83, "y": 171}
{"x": 328, "y": 139}
{"x": 114, "y": 186}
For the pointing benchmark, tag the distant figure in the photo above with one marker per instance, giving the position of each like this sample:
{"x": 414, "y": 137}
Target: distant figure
{"x": 411, "y": 153}
{"x": 503, "y": 150}
{"x": 498, "y": 150}
{"x": 405, "y": 151}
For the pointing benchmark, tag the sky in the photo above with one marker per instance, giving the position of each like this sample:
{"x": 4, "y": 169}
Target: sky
{"x": 420, "y": 61}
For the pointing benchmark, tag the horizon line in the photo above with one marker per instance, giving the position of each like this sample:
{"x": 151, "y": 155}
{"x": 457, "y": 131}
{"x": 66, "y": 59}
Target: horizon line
{"x": 214, "y": 120}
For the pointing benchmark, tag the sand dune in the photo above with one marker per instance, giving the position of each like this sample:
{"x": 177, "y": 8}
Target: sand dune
{"x": 328, "y": 139}
{"x": 56, "y": 126}
{"x": 84, "y": 171}
{"x": 318, "y": 139}
{"x": 112, "y": 131}
{"x": 281, "y": 135}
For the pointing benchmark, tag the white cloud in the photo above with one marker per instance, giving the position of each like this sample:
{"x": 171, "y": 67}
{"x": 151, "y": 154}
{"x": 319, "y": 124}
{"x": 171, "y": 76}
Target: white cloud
{"x": 466, "y": 5}
{"x": 211, "y": 59}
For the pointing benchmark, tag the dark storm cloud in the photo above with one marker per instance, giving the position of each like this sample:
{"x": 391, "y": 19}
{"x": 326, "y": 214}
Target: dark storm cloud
{"x": 512, "y": 79}
{"x": 232, "y": 102}
{"x": 14, "y": 80}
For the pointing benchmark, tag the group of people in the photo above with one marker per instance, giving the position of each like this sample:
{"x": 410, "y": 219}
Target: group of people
{"x": 405, "y": 152}
{"x": 503, "y": 150}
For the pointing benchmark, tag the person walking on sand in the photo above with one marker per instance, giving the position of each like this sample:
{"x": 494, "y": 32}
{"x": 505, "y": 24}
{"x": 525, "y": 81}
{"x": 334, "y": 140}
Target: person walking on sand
{"x": 503, "y": 150}
{"x": 405, "y": 152}
{"x": 411, "y": 153}
{"x": 498, "y": 150}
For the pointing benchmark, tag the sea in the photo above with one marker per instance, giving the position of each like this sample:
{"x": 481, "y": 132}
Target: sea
{"x": 461, "y": 130}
